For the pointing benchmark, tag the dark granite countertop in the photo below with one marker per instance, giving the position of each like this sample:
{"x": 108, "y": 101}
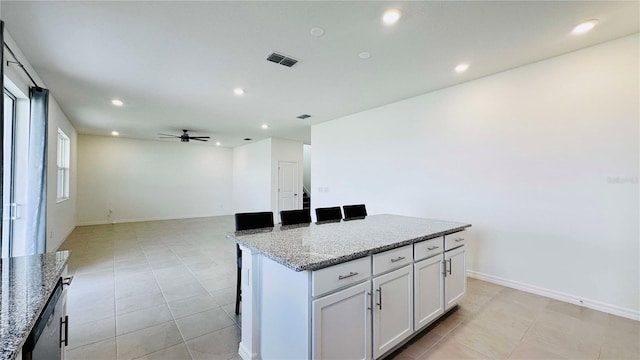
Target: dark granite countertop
{"x": 317, "y": 246}
{"x": 26, "y": 282}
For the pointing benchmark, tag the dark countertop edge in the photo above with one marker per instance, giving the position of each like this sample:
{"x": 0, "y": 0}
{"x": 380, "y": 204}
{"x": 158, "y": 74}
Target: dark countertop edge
{"x": 18, "y": 349}
{"x": 346, "y": 258}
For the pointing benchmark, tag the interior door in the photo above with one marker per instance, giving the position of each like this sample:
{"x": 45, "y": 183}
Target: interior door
{"x": 287, "y": 186}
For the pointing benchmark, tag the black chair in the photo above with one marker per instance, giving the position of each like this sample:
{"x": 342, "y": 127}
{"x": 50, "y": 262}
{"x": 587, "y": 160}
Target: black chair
{"x": 353, "y": 212}
{"x": 249, "y": 221}
{"x": 293, "y": 217}
{"x": 328, "y": 214}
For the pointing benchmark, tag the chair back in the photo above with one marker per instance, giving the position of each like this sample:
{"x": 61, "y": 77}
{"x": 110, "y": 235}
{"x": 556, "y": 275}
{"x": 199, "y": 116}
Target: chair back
{"x": 328, "y": 214}
{"x": 352, "y": 212}
{"x": 293, "y": 217}
{"x": 254, "y": 220}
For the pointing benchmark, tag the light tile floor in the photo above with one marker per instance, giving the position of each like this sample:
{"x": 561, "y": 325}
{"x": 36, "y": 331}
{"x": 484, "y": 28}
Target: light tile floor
{"x": 166, "y": 290}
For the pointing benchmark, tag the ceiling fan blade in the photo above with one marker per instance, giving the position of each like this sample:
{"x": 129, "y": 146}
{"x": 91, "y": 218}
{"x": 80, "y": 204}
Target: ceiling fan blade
{"x": 198, "y": 139}
{"x": 169, "y": 135}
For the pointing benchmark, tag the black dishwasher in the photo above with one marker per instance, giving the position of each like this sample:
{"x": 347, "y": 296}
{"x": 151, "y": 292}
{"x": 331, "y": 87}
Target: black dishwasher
{"x": 45, "y": 339}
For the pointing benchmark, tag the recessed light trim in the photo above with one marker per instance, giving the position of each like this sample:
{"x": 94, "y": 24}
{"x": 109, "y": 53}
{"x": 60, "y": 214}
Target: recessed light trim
{"x": 264, "y": 126}
{"x": 460, "y": 68}
{"x": 391, "y": 16}
{"x": 238, "y": 91}
{"x": 218, "y": 143}
{"x": 115, "y": 133}
{"x": 585, "y": 27}
{"x": 364, "y": 55}
{"x": 316, "y": 31}
{"x": 117, "y": 102}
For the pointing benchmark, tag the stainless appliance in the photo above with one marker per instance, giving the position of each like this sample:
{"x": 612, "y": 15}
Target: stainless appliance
{"x": 48, "y": 336}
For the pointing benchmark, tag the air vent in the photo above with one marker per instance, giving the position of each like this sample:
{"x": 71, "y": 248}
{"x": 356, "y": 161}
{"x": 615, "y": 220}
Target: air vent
{"x": 303, "y": 116}
{"x": 281, "y": 59}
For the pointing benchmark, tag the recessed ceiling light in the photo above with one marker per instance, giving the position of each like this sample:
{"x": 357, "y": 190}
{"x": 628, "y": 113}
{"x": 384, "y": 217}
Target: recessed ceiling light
{"x": 391, "y": 16}
{"x": 117, "y": 102}
{"x": 585, "y": 26}
{"x": 461, "y": 68}
{"x": 364, "y": 55}
{"x": 265, "y": 126}
{"x": 238, "y": 91}
{"x": 218, "y": 143}
{"x": 316, "y": 31}
{"x": 115, "y": 133}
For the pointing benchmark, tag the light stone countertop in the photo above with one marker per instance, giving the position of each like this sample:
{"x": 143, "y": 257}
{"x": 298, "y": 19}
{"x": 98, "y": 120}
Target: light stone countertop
{"x": 315, "y": 246}
{"x": 26, "y": 282}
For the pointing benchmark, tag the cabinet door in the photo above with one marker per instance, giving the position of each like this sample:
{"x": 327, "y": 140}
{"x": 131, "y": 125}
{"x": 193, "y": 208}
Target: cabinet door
{"x": 455, "y": 278}
{"x": 342, "y": 324}
{"x": 392, "y": 309}
{"x": 429, "y": 301}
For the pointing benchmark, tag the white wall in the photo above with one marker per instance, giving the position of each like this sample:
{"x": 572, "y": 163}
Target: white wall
{"x": 543, "y": 160}
{"x": 255, "y": 174}
{"x": 150, "y": 180}
{"x": 61, "y": 217}
{"x": 252, "y": 177}
{"x": 285, "y": 150}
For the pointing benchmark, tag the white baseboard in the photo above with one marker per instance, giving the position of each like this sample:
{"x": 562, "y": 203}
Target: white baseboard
{"x": 118, "y": 221}
{"x": 558, "y": 295}
{"x": 245, "y": 354}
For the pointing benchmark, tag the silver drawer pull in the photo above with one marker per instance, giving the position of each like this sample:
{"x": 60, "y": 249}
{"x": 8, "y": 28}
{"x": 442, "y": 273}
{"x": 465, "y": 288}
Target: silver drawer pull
{"x": 397, "y": 259}
{"x": 342, "y": 277}
{"x": 67, "y": 281}
{"x": 459, "y": 239}
{"x": 432, "y": 248}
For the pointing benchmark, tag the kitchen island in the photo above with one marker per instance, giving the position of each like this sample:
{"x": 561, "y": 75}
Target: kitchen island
{"x": 26, "y": 283}
{"x": 355, "y": 289}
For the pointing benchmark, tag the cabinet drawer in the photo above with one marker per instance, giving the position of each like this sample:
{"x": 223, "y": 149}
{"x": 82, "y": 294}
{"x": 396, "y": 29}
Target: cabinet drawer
{"x": 392, "y": 259}
{"x": 454, "y": 240}
{"x": 425, "y": 249}
{"x": 341, "y": 275}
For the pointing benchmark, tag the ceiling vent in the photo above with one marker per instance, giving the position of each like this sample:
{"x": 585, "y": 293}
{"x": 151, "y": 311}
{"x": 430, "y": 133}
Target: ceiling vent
{"x": 303, "y": 116}
{"x": 281, "y": 59}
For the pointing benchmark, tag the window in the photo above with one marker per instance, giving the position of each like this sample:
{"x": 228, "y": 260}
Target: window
{"x": 63, "y": 166}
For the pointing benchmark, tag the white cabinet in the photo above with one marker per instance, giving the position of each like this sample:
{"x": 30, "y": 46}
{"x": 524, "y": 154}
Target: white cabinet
{"x": 455, "y": 276}
{"x": 429, "y": 300}
{"x": 342, "y": 324}
{"x": 392, "y": 309}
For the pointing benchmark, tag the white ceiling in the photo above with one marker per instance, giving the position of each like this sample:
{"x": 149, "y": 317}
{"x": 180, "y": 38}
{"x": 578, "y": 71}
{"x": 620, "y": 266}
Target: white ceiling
{"x": 175, "y": 63}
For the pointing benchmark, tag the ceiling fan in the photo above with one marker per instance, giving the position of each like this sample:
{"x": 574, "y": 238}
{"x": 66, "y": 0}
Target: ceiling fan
{"x": 185, "y": 137}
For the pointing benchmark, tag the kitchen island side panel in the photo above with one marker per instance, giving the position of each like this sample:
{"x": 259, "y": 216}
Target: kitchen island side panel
{"x": 285, "y": 314}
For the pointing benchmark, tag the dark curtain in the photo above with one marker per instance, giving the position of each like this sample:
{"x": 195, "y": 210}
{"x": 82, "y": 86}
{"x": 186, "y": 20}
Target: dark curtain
{"x": 37, "y": 176}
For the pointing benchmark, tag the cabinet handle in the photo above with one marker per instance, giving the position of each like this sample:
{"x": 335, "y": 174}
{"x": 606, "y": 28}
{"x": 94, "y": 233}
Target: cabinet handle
{"x": 67, "y": 281}
{"x": 444, "y": 268}
{"x": 397, "y": 259}
{"x": 432, "y": 248}
{"x": 449, "y": 266}
{"x": 368, "y": 300}
{"x": 379, "y": 303}
{"x": 64, "y": 322}
{"x": 351, "y": 273}
{"x": 459, "y": 239}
